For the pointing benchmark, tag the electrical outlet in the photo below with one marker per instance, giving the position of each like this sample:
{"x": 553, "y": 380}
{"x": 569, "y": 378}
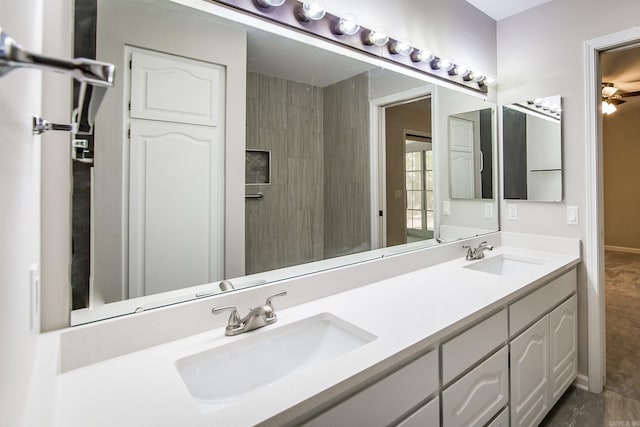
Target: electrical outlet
{"x": 512, "y": 211}
{"x": 488, "y": 210}
{"x": 446, "y": 207}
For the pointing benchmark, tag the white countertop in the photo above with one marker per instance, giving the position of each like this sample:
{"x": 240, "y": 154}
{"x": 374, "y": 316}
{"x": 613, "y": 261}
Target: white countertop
{"x": 407, "y": 313}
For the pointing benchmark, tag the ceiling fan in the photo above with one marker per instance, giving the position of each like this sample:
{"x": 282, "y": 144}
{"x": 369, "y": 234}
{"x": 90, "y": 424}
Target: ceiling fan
{"x": 612, "y": 97}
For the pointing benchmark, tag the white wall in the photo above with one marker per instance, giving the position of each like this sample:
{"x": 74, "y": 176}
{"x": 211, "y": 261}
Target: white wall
{"x": 20, "y": 211}
{"x": 540, "y": 53}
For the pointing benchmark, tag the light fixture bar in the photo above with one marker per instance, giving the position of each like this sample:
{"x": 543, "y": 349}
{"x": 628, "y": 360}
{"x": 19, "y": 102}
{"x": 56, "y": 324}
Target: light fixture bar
{"x": 309, "y": 16}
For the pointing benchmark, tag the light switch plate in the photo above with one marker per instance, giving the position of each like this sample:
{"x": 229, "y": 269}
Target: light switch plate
{"x": 573, "y": 217}
{"x": 488, "y": 210}
{"x": 512, "y": 211}
{"x": 446, "y": 207}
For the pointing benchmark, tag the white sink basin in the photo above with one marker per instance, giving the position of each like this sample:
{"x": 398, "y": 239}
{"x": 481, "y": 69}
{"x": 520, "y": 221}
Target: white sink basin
{"x": 222, "y": 375}
{"x": 504, "y": 265}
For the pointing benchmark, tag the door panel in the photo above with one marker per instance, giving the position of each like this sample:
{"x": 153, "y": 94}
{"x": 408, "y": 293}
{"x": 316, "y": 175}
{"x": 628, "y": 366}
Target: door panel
{"x": 176, "y": 197}
{"x": 171, "y": 88}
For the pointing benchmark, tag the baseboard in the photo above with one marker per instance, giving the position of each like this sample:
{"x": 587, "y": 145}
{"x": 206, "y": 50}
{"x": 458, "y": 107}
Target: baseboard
{"x": 582, "y": 381}
{"x": 622, "y": 249}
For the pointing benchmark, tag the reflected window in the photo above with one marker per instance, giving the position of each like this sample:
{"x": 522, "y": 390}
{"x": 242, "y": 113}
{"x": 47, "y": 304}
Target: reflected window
{"x": 419, "y": 187}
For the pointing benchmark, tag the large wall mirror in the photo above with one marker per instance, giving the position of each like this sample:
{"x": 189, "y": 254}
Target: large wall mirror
{"x": 167, "y": 212}
{"x": 532, "y": 149}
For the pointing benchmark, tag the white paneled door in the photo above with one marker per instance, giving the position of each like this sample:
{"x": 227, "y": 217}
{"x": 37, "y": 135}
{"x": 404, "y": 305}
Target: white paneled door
{"x": 176, "y": 173}
{"x": 461, "y": 158}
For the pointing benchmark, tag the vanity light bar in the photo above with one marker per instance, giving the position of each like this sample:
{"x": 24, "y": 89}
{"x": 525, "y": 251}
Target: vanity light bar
{"x": 311, "y": 17}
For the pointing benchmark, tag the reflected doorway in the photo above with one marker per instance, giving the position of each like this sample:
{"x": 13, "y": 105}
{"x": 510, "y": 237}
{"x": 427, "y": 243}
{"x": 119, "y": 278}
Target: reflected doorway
{"x": 409, "y": 207}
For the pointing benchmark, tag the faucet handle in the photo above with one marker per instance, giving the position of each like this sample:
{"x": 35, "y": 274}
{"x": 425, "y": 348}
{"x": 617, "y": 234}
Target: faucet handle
{"x": 234, "y": 318}
{"x": 277, "y": 294}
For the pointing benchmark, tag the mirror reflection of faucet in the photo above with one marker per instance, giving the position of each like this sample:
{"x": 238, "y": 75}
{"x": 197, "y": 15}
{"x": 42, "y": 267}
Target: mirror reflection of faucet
{"x": 477, "y": 253}
{"x": 257, "y": 317}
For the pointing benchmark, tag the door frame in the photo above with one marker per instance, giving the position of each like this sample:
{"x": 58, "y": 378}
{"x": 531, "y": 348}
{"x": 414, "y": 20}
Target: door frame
{"x": 377, "y": 159}
{"x": 594, "y": 244}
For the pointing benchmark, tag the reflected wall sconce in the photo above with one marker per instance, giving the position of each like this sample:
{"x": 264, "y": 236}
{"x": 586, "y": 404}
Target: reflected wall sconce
{"x": 311, "y": 17}
{"x": 419, "y": 55}
{"x": 376, "y": 37}
{"x": 346, "y": 25}
{"x": 311, "y": 10}
{"x": 269, "y": 3}
{"x": 400, "y": 47}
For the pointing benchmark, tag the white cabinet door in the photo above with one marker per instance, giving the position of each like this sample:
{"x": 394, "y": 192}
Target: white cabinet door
{"x": 530, "y": 375}
{"x": 461, "y": 158}
{"x": 479, "y": 395}
{"x": 176, "y": 195}
{"x": 563, "y": 347}
{"x": 171, "y": 88}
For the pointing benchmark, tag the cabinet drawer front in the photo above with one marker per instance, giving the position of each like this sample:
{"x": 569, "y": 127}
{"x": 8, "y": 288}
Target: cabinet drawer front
{"x": 563, "y": 347}
{"x": 427, "y": 416}
{"x": 388, "y": 399}
{"x": 501, "y": 420}
{"x": 472, "y": 345}
{"x": 530, "y": 375}
{"x": 478, "y": 396}
{"x": 534, "y": 305}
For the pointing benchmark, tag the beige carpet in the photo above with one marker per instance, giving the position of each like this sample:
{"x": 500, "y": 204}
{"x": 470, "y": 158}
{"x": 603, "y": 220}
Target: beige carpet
{"x": 622, "y": 292}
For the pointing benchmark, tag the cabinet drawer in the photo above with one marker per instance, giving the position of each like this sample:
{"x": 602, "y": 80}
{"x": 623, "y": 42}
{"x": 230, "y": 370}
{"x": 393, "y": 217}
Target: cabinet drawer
{"x": 388, "y": 399}
{"x": 501, "y": 420}
{"x": 472, "y": 345}
{"x": 427, "y": 416}
{"x": 475, "y": 398}
{"x": 523, "y": 312}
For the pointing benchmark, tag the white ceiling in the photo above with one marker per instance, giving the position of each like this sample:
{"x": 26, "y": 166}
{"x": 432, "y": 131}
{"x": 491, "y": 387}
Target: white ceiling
{"x": 499, "y": 9}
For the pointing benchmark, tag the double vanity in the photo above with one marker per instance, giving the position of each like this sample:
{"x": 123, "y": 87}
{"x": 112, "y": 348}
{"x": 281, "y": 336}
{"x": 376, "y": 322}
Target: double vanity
{"x": 491, "y": 341}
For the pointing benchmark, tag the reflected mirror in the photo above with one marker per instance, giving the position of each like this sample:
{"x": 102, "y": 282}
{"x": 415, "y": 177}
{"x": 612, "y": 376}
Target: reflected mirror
{"x": 471, "y": 154}
{"x": 226, "y": 152}
{"x": 532, "y": 150}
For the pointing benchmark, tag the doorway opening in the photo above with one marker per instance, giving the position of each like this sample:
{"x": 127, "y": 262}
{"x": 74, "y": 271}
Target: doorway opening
{"x": 620, "y": 79}
{"x": 594, "y": 259}
{"x": 408, "y": 214}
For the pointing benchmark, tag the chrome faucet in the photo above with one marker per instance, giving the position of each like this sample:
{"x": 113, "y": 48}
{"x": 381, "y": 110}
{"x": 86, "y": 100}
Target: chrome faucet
{"x": 477, "y": 253}
{"x": 256, "y": 318}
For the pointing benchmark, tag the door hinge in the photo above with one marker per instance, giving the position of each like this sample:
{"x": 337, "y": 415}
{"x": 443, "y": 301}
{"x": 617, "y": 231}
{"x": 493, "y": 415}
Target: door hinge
{"x": 129, "y": 105}
{"x": 380, "y": 213}
{"x": 130, "y": 64}
{"x": 129, "y": 133}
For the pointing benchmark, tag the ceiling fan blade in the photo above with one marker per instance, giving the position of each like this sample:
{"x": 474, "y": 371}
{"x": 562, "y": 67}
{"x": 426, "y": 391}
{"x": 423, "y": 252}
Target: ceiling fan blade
{"x": 628, "y": 94}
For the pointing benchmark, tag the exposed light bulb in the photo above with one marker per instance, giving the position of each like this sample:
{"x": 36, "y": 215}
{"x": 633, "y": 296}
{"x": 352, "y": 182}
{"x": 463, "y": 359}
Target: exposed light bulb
{"x": 312, "y": 10}
{"x": 537, "y": 102}
{"x": 478, "y": 76}
{"x": 377, "y": 37}
{"x": 447, "y": 64}
{"x": 348, "y": 25}
{"x": 270, "y": 3}
{"x": 464, "y": 71}
{"x": 608, "y": 108}
{"x": 490, "y": 81}
{"x": 420, "y": 55}
{"x": 400, "y": 47}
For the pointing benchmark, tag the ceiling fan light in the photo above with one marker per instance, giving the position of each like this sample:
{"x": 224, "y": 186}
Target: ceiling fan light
{"x": 608, "y": 89}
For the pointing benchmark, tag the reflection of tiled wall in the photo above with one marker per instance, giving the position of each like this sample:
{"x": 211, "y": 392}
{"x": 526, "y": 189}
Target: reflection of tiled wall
{"x": 286, "y": 227}
{"x": 346, "y": 167}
